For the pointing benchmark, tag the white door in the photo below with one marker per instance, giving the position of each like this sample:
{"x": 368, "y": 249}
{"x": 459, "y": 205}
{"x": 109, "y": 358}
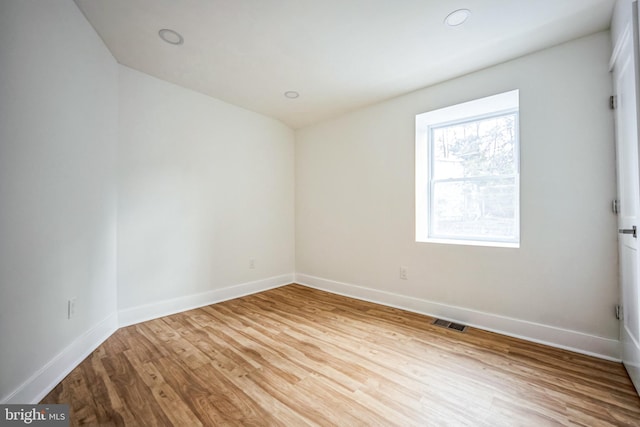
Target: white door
{"x": 626, "y": 119}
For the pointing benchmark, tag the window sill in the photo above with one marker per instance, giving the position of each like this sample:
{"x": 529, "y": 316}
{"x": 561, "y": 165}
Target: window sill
{"x": 470, "y": 243}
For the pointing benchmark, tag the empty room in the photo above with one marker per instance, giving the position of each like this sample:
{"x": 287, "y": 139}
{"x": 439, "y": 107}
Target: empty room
{"x": 337, "y": 213}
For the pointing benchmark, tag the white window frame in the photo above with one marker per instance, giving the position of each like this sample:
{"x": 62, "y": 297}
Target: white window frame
{"x": 491, "y": 106}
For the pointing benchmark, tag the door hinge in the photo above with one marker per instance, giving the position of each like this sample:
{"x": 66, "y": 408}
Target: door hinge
{"x": 613, "y": 102}
{"x": 618, "y": 312}
{"x": 615, "y": 206}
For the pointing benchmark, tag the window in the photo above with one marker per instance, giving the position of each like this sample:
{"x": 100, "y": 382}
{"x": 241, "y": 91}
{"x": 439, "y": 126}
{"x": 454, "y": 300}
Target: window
{"x": 468, "y": 173}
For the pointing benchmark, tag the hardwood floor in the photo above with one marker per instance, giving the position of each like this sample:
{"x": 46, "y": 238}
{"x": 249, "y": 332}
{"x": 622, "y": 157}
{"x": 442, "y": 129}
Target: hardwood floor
{"x": 295, "y": 356}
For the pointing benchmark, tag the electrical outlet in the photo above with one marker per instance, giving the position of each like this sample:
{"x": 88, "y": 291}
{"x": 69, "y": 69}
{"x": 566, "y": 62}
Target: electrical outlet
{"x": 71, "y": 308}
{"x": 403, "y": 273}
{"x": 252, "y": 263}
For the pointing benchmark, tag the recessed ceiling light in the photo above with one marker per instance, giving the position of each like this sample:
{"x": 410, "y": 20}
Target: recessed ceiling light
{"x": 457, "y": 17}
{"x": 170, "y": 36}
{"x": 291, "y": 94}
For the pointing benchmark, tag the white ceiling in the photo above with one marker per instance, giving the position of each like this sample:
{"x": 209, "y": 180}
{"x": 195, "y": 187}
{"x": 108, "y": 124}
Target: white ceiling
{"x": 338, "y": 54}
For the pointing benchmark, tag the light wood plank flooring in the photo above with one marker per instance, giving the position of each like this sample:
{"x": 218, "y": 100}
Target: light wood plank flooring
{"x": 295, "y": 356}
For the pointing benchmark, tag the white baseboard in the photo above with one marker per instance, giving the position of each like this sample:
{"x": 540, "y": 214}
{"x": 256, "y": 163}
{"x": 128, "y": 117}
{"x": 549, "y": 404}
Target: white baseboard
{"x": 46, "y": 378}
{"x": 34, "y": 389}
{"x": 142, "y": 313}
{"x": 579, "y": 342}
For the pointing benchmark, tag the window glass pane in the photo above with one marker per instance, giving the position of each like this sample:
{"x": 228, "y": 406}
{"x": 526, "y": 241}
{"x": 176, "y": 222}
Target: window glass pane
{"x": 476, "y": 148}
{"x": 480, "y": 208}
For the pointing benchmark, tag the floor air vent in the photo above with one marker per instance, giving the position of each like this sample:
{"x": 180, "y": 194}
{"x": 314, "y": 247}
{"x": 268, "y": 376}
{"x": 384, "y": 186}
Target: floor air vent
{"x": 450, "y": 325}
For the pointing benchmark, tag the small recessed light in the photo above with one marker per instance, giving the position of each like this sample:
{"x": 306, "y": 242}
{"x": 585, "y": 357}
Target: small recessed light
{"x": 457, "y": 17}
{"x": 170, "y": 36}
{"x": 291, "y": 94}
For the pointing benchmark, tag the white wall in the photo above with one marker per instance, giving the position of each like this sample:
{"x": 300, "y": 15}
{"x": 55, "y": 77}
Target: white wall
{"x": 204, "y": 186}
{"x": 355, "y": 203}
{"x": 58, "y": 140}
